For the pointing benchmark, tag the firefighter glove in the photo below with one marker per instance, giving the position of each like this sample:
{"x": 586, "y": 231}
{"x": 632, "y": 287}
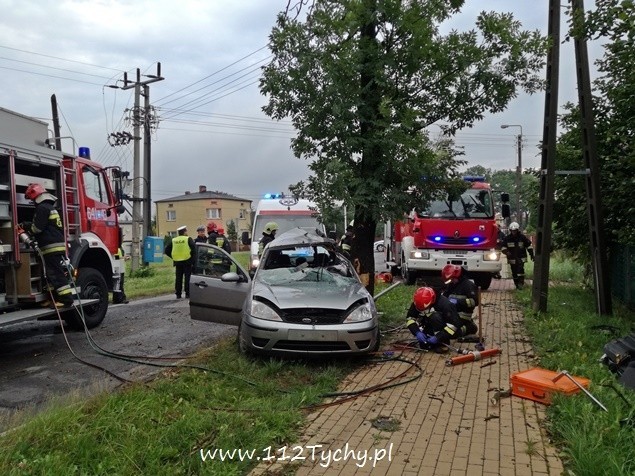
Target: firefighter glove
{"x": 25, "y": 225}
{"x": 432, "y": 340}
{"x": 454, "y": 301}
{"x": 421, "y": 338}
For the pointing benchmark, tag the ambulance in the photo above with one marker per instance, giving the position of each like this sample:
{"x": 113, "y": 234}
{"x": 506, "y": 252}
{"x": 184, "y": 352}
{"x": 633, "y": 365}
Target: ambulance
{"x": 287, "y": 212}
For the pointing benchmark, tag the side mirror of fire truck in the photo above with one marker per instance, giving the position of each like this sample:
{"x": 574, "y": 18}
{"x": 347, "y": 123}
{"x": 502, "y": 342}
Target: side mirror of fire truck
{"x": 506, "y": 210}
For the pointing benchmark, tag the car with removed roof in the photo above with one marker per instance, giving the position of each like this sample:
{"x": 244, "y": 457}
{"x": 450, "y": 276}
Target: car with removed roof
{"x": 304, "y": 299}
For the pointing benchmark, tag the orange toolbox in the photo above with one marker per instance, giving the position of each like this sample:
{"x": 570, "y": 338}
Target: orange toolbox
{"x": 539, "y": 384}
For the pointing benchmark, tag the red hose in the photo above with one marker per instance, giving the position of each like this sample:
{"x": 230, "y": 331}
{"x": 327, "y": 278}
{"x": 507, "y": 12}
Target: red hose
{"x": 472, "y": 356}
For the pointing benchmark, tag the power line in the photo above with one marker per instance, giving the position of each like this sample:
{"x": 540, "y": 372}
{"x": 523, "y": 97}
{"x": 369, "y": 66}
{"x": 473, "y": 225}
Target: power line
{"x": 58, "y": 58}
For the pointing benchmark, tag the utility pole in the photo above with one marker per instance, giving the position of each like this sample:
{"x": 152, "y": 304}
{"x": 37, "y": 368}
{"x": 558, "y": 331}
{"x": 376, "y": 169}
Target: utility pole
{"x": 519, "y": 170}
{"x": 138, "y": 117}
{"x": 540, "y": 283}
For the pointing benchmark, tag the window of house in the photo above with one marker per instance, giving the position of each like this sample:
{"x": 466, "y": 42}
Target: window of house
{"x": 212, "y": 213}
{"x": 171, "y": 215}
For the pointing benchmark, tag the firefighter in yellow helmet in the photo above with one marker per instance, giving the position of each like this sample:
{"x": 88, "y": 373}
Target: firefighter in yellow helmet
{"x": 516, "y": 247}
{"x": 268, "y": 235}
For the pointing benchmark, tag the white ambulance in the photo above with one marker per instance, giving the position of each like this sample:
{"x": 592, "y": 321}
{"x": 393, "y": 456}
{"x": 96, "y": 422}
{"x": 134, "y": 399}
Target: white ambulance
{"x": 287, "y": 212}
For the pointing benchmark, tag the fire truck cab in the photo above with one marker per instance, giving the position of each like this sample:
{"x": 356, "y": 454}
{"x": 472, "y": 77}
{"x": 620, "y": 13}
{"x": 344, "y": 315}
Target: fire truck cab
{"x": 454, "y": 230}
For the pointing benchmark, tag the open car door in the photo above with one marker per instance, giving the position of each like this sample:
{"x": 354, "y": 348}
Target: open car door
{"x": 218, "y": 286}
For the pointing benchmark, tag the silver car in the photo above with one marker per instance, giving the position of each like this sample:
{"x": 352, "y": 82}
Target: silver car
{"x": 304, "y": 299}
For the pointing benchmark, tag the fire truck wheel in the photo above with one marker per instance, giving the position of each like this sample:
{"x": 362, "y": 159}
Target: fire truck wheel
{"x": 408, "y": 276}
{"x": 483, "y": 281}
{"x": 93, "y": 286}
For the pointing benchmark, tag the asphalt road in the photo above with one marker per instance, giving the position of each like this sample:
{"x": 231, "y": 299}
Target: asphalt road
{"x": 37, "y": 365}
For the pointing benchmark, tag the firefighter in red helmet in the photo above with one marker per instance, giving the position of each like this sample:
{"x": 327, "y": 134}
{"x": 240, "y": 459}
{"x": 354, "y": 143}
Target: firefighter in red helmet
{"x": 48, "y": 231}
{"x": 432, "y": 319}
{"x": 463, "y": 293}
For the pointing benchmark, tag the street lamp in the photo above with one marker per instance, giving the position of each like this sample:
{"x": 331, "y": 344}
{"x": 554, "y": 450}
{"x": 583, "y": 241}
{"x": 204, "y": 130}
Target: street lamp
{"x": 519, "y": 169}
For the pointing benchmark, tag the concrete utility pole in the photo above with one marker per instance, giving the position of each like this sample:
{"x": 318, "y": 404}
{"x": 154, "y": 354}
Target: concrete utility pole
{"x": 138, "y": 117}
{"x": 519, "y": 170}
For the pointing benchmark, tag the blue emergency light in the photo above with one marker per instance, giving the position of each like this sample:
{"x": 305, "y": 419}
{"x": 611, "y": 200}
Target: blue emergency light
{"x": 474, "y": 178}
{"x": 437, "y": 239}
{"x": 274, "y": 195}
{"x": 476, "y": 239}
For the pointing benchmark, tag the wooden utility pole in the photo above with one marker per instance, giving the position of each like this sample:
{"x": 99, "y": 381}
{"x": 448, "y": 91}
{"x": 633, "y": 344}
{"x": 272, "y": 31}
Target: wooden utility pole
{"x": 540, "y": 284}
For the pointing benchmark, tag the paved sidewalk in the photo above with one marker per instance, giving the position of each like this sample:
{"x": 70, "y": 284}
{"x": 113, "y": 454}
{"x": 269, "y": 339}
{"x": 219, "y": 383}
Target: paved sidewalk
{"x": 448, "y": 422}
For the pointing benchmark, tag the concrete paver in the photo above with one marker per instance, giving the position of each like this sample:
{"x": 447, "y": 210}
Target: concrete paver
{"x": 450, "y": 421}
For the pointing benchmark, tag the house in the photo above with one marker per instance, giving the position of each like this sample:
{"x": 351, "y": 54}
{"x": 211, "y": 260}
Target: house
{"x": 201, "y": 208}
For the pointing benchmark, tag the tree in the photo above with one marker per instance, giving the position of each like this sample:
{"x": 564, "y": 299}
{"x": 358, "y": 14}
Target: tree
{"x": 362, "y": 79}
{"x": 615, "y": 122}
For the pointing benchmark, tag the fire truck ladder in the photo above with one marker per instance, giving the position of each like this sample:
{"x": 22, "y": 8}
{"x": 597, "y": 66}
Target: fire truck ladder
{"x": 72, "y": 203}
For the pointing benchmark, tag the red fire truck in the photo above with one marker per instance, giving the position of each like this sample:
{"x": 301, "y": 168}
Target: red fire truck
{"x": 458, "y": 230}
{"x": 87, "y": 198}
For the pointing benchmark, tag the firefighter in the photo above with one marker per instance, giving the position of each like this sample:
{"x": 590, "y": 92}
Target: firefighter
{"x": 515, "y": 246}
{"x": 432, "y": 319}
{"x": 212, "y": 233}
{"x": 346, "y": 243}
{"x": 47, "y": 229}
{"x": 119, "y": 297}
{"x": 181, "y": 249}
{"x": 268, "y": 235}
{"x": 220, "y": 262}
{"x": 463, "y": 293}
{"x": 201, "y": 237}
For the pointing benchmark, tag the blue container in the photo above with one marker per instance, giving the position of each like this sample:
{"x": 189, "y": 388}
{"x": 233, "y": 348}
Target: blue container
{"x": 153, "y": 249}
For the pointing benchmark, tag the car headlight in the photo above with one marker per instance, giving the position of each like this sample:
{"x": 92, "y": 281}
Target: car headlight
{"x": 418, "y": 254}
{"x": 260, "y": 310}
{"x": 491, "y": 255}
{"x": 360, "y": 314}
{"x": 255, "y": 262}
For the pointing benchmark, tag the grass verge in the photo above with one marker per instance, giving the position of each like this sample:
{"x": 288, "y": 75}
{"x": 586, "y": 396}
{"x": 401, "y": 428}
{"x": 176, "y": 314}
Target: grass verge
{"x": 161, "y": 428}
{"x": 592, "y": 442}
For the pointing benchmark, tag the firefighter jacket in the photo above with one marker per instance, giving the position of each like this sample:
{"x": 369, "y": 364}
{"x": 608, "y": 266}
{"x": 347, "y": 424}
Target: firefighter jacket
{"x": 223, "y": 242}
{"x": 516, "y": 246}
{"x": 264, "y": 241}
{"x": 47, "y": 228}
{"x": 180, "y": 249}
{"x": 442, "y": 312}
{"x": 465, "y": 292}
{"x": 346, "y": 244}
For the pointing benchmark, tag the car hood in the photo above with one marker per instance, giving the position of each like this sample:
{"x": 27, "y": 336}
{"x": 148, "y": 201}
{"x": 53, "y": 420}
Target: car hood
{"x": 311, "y": 295}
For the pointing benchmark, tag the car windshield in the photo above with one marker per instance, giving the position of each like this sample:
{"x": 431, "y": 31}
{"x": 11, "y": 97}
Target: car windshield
{"x": 286, "y": 223}
{"x": 301, "y": 264}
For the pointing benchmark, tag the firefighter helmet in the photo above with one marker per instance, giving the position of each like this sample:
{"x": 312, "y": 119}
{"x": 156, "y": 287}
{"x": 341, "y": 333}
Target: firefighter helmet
{"x": 514, "y": 226}
{"x": 450, "y": 272}
{"x": 270, "y": 227}
{"x": 424, "y": 298}
{"x": 220, "y": 231}
{"x": 34, "y": 190}
{"x": 211, "y": 227}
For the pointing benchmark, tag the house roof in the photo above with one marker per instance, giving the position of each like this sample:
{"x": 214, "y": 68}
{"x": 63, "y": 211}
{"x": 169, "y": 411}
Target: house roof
{"x": 207, "y": 195}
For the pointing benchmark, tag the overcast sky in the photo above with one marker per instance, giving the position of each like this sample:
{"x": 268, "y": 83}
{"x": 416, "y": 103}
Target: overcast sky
{"x": 210, "y": 53}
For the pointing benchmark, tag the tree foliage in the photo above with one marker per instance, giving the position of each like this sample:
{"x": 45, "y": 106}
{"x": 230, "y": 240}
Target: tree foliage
{"x": 362, "y": 79}
{"x": 614, "y": 105}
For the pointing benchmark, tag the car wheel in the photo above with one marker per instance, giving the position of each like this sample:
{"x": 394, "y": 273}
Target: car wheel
{"x": 380, "y": 248}
{"x": 484, "y": 281}
{"x": 93, "y": 286}
{"x": 243, "y": 348}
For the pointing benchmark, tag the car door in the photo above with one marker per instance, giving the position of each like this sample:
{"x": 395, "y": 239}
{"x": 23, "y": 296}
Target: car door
{"x": 218, "y": 286}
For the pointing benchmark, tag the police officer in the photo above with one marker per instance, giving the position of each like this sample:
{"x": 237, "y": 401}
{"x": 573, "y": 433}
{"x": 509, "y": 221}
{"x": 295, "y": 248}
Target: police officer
{"x": 432, "y": 319}
{"x": 48, "y": 231}
{"x": 516, "y": 246}
{"x": 268, "y": 235}
{"x": 181, "y": 250}
{"x": 201, "y": 237}
{"x": 463, "y": 293}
